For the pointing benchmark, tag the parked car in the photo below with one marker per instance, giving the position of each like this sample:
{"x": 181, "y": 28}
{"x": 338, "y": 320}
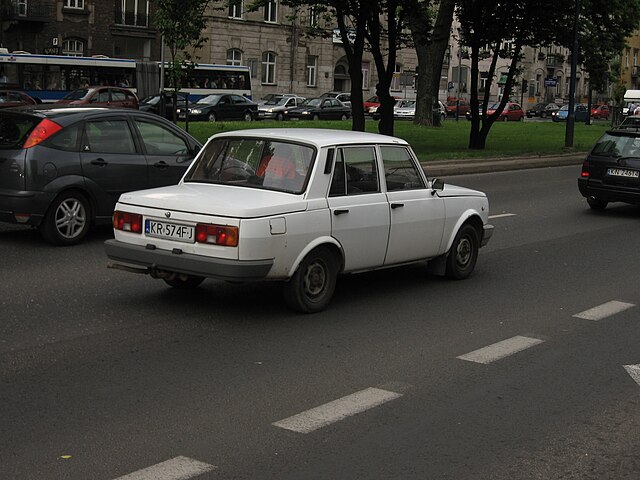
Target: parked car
{"x": 453, "y": 107}
{"x": 372, "y": 103}
{"x": 611, "y": 171}
{"x": 344, "y": 97}
{"x": 542, "y": 110}
{"x": 270, "y": 96}
{"x": 16, "y": 98}
{"x": 278, "y": 107}
{"x": 299, "y": 206}
{"x": 221, "y": 107}
{"x": 63, "y": 169}
{"x": 562, "y": 114}
{"x": 599, "y": 112}
{"x": 406, "y": 110}
{"x": 102, "y": 96}
{"x": 152, "y": 104}
{"x": 511, "y": 112}
{"x": 320, "y": 109}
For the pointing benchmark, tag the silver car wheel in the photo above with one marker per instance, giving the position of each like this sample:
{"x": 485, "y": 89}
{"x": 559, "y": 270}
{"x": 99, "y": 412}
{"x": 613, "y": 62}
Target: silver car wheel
{"x": 70, "y": 218}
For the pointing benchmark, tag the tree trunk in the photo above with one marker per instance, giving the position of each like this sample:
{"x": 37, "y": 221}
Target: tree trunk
{"x": 430, "y": 51}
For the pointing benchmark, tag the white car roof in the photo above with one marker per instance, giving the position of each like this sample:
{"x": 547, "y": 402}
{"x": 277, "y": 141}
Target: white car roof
{"x": 320, "y": 137}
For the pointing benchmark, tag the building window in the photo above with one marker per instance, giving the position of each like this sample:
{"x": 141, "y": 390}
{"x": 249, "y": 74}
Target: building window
{"x": 253, "y": 67}
{"x": 79, "y": 4}
{"x": 365, "y": 75}
{"x": 395, "y": 82}
{"x": 484, "y": 78}
{"x": 559, "y": 85}
{"x": 22, "y": 8}
{"x": 269, "y": 68}
{"x": 133, "y": 13}
{"x": 234, "y": 57}
{"x": 73, "y": 48}
{"x": 271, "y": 11}
{"x": 235, "y": 9}
{"x": 313, "y": 17}
{"x": 312, "y": 71}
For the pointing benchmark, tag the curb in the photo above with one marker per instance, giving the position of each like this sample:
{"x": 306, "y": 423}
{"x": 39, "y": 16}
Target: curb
{"x": 487, "y": 165}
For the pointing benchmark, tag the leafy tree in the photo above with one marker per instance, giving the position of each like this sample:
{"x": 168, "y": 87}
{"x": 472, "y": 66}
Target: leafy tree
{"x": 503, "y": 28}
{"x": 604, "y": 26}
{"x": 181, "y": 23}
{"x": 430, "y": 39}
{"x": 384, "y": 26}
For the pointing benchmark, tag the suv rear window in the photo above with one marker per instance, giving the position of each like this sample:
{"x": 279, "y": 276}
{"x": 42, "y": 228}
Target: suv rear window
{"x": 14, "y": 130}
{"x": 617, "y": 145}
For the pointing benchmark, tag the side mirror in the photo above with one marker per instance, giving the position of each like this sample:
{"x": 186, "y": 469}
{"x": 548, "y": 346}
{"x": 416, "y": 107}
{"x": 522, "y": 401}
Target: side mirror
{"x": 436, "y": 184}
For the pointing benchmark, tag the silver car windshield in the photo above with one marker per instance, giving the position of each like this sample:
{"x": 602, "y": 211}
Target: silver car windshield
{"x": 254, "y": 163}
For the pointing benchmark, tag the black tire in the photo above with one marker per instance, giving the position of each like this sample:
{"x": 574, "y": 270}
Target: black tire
{"x": 464, "y": 253}
{"x": 543, "y": 115}
{"x": 505, "y": 119}
{"x": 279, "y": 116}
{"x": 597, "y": 203}
{"x": 212, "y": 117}
{"x": 316, "y": 117}
{"x": 184, "y": 282}
{"x": 344, "y": 116}
{"x": 443, "y": 117}
{"x": 247, "y": 117}
{"x": 67, "y": 220}
{"x": 311, "y": 288}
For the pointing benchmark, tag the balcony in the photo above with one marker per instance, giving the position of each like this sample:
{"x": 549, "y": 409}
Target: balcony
{"x": 130, "y": 19}
{"x": 29, "y": 12}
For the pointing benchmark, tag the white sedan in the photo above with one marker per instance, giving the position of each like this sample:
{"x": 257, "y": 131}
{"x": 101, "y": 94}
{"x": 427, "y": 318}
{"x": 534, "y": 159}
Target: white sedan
{"x": 299, "y": 206}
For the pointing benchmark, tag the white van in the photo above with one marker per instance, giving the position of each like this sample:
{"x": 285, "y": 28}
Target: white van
{"x": 630, "y": 96}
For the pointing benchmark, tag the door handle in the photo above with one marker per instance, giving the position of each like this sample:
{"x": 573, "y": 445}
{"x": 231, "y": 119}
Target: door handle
{"x": 397, "y": 205}
{"x": 161, "y": 164}
{"x": 340, "y": 212}
{"x": 99, "y": 162}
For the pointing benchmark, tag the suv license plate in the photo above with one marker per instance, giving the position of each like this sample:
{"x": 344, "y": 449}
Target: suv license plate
{"x": 620, "y": 172}
{"x": 171, "y": 231}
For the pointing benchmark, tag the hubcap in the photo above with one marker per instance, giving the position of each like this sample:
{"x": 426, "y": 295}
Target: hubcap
{"x": 315, "y": 278}
{"x": 463, "y": 252}
{"x": 71, "y": 218}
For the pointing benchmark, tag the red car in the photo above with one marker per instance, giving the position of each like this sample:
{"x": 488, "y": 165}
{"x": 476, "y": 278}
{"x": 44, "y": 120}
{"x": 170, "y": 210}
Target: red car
{"x": 372, "y": 102}
{"x": 102, "y": 96}
{"x": 453, "y": 107}
{"x": 600, "y": 112}
{"x": 512, "y": 112}
{"x": 15, "y": 98}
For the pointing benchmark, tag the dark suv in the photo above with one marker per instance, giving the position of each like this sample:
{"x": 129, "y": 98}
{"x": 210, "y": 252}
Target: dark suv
{"x": 611, "y": 171}
{"x": 63, "y": 169}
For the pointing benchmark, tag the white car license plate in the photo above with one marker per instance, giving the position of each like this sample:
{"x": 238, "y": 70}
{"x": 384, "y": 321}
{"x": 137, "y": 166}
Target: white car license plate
{"x": 620, "y": 172}
{"x": 172, "y": 231}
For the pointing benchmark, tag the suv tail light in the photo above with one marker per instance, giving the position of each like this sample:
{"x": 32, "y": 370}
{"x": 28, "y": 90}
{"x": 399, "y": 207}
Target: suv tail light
{"x": 127, "y": 222}
{"x": 585, "y": 169}
{"x": 217, "y": 234}
{"x": 43, "y": 130}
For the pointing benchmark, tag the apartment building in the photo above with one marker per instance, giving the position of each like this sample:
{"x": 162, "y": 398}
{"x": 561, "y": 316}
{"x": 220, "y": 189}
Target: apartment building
{"x": 119, "y": 28}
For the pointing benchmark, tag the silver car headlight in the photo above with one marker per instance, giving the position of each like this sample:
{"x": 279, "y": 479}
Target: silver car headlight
{"x": 196, "y": 111}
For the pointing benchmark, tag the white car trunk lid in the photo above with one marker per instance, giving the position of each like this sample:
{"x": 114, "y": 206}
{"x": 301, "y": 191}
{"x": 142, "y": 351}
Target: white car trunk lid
{"x": 219, "y": 200}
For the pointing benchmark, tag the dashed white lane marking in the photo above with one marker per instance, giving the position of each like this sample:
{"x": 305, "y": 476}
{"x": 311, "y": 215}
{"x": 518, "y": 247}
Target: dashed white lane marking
{"x": 500, "y": 350}
{"x": 605, "y": 310}
{"x": 337, "y": 410}
{"x": 502, "y": 215}
{"x": 634, "y": 371}
{"x": 179, "y": 468}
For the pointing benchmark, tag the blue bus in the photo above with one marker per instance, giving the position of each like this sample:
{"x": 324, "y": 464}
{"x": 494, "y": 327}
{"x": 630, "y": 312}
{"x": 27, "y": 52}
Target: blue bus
{"x": 51, "y": 77}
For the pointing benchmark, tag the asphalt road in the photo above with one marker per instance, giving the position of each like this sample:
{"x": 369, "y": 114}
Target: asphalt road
{"x": 506, "y": 375}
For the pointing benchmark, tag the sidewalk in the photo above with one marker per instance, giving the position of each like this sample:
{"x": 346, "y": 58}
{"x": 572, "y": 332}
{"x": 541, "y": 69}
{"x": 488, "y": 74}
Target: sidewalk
{"x": 441, "y": 168}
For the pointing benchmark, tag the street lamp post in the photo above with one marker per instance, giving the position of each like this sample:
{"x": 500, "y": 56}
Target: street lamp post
{"x": 568, "y": 137}
{"x": 459, "y": 79}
